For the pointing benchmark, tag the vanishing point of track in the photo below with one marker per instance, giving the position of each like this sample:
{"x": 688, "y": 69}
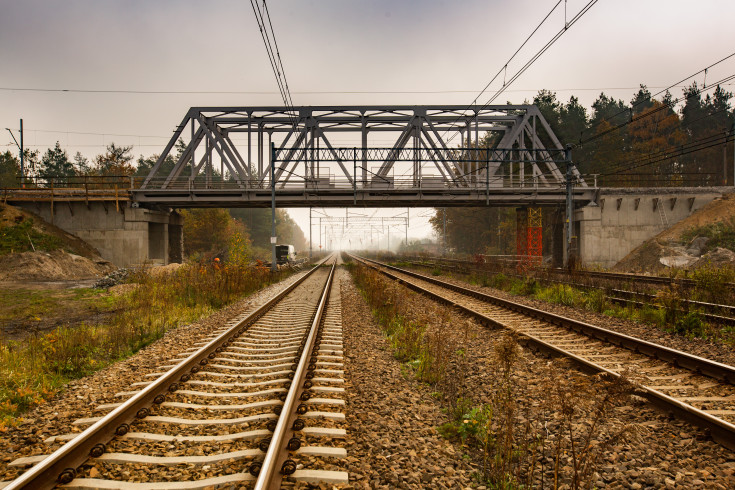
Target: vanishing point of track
{"x": 258, "y": 403}
{"x": 697, "y": 389}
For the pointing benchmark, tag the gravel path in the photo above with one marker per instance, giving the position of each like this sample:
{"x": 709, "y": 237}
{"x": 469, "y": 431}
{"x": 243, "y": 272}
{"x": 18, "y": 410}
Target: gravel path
{"x": 392, "y": 418}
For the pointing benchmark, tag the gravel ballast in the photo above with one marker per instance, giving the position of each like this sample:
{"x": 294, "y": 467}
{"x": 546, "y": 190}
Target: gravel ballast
{"x": 660, "y": 452}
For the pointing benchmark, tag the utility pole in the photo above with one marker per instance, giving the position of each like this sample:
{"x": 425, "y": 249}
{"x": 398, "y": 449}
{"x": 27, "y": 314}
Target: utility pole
{"x": 20, "y": 147}
{"x": 444, "y": 224}
{"x": 309, "y": 234}
{"x": 274, "y": 266}
{"x": 22, "y": 156}
{"x": 570, "y": 208}
{"x": 724, "y": 161}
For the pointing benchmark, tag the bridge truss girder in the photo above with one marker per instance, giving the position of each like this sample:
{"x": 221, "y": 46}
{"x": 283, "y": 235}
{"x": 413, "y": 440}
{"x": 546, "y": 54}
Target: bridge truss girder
{"x": 523, "y": 163}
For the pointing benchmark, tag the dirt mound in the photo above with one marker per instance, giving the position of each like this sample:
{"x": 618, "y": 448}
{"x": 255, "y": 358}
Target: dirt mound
{"x": 57, "y": 265}
{"x": 160, "y": 270}
{"x": 67, "y": 257}
{"x": 667, "y": 250}
{"x": 11, "y": 216}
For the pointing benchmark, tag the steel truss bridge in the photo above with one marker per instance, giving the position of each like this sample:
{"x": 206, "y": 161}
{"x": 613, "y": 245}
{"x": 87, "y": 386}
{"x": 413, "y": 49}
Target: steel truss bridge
{"x": 329, "y": 157}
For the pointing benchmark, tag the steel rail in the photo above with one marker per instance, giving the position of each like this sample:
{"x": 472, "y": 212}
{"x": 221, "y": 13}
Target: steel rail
{"x": 623, "y": 296}
{"x": 269, "y": 477}
{"x": 721, "y": 430}
{"x": 607, "y": 275}
{"x": 60, "y": 466}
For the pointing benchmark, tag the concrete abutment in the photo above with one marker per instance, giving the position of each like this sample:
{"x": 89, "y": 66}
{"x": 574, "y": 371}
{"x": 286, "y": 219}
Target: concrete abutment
{"x": 624, "y": 218}
{"x": 124, "y": 235}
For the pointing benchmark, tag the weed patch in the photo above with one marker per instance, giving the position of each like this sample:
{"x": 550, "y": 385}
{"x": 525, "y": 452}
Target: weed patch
{"x": 33, "y": 369}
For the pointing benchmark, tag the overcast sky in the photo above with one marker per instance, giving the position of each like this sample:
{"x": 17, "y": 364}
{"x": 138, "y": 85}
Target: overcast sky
{"x": 335, "y": 52}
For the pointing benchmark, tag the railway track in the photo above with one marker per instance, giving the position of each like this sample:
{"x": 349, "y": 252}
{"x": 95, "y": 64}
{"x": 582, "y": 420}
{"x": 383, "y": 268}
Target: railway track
{"x": 624, "y": 277}
{"x": 696, "y": 389}
{"x": 712, "y": 312}
{"x": 257, "y": 404}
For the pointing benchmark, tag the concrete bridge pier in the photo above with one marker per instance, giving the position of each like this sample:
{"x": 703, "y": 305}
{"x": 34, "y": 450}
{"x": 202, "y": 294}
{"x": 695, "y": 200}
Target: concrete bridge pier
{"x": 124, "y": 235}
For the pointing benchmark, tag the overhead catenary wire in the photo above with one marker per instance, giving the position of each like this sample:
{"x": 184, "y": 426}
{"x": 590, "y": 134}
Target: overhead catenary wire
{"x": 305, "y": 92}
{"x": 670, "y": 104}
{"x": 504, "y": 68}
{"x": 681, "y": 150}
{"x": 274, "y": 56}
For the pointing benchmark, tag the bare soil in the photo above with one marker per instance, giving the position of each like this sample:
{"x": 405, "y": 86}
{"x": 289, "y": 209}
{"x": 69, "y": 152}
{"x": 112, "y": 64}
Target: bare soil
{"x": 74, "y": 260}
{"x": 27, "y": 311}
{"x": 57, "y": 265}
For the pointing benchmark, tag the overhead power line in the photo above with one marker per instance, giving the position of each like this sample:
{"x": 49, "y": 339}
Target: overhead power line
{"x": 274, "y": 56}
{"x": 308, "y": 92}
{"x": 539, "y": 53}
{"x": 675, "y": 101}
{"x": 681, "y": 150}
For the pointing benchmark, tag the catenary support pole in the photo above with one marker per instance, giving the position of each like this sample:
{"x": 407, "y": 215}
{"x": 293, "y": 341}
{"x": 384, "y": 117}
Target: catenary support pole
{"x": 22, "y": 156}
{"x": 310, "y": 235}
{"x": 274, "y": 266}
{"x": 570, "y": 208}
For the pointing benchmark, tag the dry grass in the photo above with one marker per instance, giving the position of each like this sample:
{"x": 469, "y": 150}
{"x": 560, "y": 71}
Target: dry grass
{"x": 33, "y": 369}
{"x": 563, "y": 418}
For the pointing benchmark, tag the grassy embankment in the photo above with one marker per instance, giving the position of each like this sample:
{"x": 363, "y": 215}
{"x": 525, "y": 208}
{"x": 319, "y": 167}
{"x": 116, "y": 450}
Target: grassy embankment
{"x": 526, "y": 433}
{"x": 33, "y": 369}
{"x": 23, "y": 237}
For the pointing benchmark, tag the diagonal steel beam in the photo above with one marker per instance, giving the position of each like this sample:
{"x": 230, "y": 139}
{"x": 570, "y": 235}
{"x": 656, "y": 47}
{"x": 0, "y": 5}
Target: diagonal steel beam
{"x": 400, "y": 143}
{"x": 214, "y": 136}
{"x": 331, "y": 149}
{"x": 185, "y": 158}
{"x": 167, "y": 150}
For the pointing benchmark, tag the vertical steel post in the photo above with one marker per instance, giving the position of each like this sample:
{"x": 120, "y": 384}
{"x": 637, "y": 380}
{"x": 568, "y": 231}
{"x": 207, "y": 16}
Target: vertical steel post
{"x": 193, "y": 163}
{"x": 570, "y": 208}
{"x": 444, "y": 240}
{"x": 274, "y": 266}
{"x": 354, "y": 175}
{"x": 22, "y": 157}
{"x": 309, "y": 233}
{"x": 408, "y": 223}
{"x": 487, "y": 177}
{"x": 724, "y": 161}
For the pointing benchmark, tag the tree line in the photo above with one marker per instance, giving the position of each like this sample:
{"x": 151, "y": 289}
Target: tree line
{"x": 648, "y": 141}
{"x": 207, "y": 232}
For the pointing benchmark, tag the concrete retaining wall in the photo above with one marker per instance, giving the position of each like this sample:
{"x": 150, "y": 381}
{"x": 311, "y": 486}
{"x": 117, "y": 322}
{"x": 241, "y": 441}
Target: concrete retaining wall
{"x": 624, "y": 218}
{"x": 126, "y": 237}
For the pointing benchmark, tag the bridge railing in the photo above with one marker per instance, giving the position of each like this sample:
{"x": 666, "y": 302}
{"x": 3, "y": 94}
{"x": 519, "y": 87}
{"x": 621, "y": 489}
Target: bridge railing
{"x": 326, "y": 183}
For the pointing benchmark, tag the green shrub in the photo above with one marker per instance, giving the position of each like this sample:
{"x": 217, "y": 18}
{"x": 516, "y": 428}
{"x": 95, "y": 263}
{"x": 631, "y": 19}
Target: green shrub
{"x": 22, "y": 237}
{"x": 562, "y": 294}
{"x": 500, "y": 281}
{"x": 713, "y": 283}
{"x": 596, "y": 301}
{"x": 691, "y": 324}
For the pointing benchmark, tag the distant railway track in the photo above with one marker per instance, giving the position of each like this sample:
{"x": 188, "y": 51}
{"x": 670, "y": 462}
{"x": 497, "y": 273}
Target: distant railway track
{"x": 261, "y": 400}
{"x": 696, "y": 389}
{"x": 712, "y": 312}
{"x": 493, "y": 266}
